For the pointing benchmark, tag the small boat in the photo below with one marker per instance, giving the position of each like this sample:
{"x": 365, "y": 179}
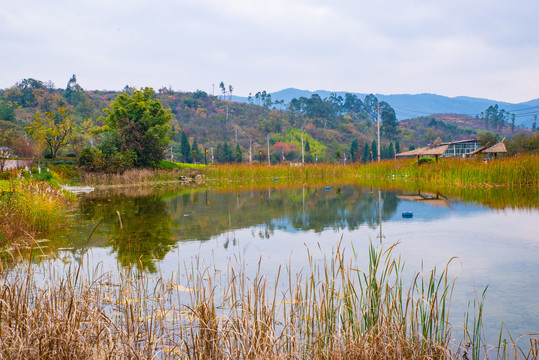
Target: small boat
{"x": 407, "y": 214}
{"x": 327, "y": 188}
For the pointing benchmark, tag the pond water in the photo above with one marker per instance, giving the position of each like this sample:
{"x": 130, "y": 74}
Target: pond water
{"x": 161, "y": 230}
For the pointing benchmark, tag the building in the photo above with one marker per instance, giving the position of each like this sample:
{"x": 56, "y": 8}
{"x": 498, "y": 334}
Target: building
{"x": 460, "y": 148}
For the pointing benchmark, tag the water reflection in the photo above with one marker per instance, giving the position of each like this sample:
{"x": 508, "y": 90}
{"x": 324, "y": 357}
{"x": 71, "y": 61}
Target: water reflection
{"x": 138, "y": 229}
{"x": 141, "y": 228}
{"x": 148, "y": 226}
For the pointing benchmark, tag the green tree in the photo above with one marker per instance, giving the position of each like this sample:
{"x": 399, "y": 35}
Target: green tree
{"x": 138, "y": 122}
{"x": 354, "y": 150}
{"x": 374, "y": 149}
{"x": 223, "y": 89}
{"x": 195, "y": 149}
{"x": 397, "y": 147}
{"x": 55, "y": 129}
{"x": 239, "y": 154}
{"x": 366, "y": 154}
{"x": 390, "y": 151}
{"x": 227, "y": 153}
{"x": 185, "y": 148}
{"x": 390, "y": 127}
{"x": 74, "y": 93}
{"x": 307, "y": 146}
{"x": 370, "y": 104}
{"x": 7, "y": 113}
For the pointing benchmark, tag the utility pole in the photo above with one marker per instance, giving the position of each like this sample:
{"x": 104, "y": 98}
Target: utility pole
{"x": 269, "y": 162}
{"x": 250, "y": 151}
{"x": 302, "y": 149}
{"x": 378, "y": 132}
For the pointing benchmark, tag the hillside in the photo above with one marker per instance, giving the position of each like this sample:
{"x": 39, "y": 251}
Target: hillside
{"x": 411, "y": 106}
{"x": 331, "y": 122}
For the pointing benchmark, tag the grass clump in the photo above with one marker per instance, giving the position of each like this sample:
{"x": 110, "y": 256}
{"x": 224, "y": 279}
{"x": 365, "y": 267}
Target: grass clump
{"x": 29, "y": 207}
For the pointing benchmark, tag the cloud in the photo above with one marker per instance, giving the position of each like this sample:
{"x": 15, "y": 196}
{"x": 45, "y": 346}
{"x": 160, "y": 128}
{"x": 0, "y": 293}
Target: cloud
{"x": 478, "y": 48}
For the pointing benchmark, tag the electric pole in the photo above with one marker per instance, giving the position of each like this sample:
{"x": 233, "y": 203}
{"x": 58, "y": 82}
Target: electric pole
{"x": 302, "y": 153}
{"x": 269, "y": 162}
{"x": 378, "y": 132}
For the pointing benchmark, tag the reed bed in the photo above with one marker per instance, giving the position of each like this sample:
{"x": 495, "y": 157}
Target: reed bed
{"x": 454, "y": 172}
{"x": 446, "y": 173}
{"x": 330, "y": 310}
{"x": 28, "y": 208}
{"x": 134, "y": 177}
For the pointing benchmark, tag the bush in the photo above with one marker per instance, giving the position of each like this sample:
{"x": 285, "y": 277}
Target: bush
{"x": 425, "y": 160}
{"x": 94, "y": 160}
{"x": 6, "y": 175}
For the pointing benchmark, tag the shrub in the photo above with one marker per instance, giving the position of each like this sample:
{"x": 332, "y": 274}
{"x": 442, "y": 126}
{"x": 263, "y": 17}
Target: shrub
{"x": 94, "y": 160}
{"x": 6, "y": 175}
{"x": 425, "y": 160}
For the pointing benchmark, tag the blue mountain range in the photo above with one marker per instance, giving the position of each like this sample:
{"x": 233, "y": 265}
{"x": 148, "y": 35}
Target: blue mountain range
{"x": 412, "y": 106}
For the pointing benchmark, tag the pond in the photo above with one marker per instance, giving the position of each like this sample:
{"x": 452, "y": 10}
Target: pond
{"x": 158, "y": 230}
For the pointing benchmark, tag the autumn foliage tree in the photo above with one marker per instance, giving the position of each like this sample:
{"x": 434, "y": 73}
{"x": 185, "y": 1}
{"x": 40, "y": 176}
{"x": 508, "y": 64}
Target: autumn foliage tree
{"x": 54, "y": 128}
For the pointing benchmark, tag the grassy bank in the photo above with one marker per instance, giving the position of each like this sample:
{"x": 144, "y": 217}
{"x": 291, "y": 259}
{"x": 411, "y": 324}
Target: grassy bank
{"x": 29, "y": 207}
{"x": 450, "y": 172}
{"x": 331, "y": 310}
{"x": 165, "y": 172}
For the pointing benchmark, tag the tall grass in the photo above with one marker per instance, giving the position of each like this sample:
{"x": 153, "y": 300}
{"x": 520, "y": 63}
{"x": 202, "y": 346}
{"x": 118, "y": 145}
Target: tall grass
{"x": 28, "y": 208}
{"x": 330, "y": 310}
{"x": 134, "y": 177}
{"x": 447, "y": 172}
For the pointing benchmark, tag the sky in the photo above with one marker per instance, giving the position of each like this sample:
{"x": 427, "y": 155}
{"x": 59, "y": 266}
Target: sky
{"x": 479, "y": 48}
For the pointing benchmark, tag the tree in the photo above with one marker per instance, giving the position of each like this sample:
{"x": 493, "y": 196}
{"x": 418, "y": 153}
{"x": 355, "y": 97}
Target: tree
{"x": 53, "y": 128}
{"x": 185, "y": 148}
{"x": 227, "y": 153}
{"x": 195, "y": 150}
{"x": 74, "y": 94}
{"x": 390, "y": 151}
{"x": 365, "y": 156}
{"x": 223, "y": 89}
{"x": 397, "y": 147}
{"x": 239, "y": 154}
{"x": 374, "y": 150}
{"x": 390, "y": 127}
{"x": 138, "y": 122}
{"x": 307, "y": 146}
{"x": 230, "y": 89}
{"x": 354, "y": 150}
{"x": 370, "y": 104}
{"x": 7, "y": 113}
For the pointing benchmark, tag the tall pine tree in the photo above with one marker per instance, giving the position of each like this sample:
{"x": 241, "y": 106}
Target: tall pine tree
{"x": 185, "y": 148}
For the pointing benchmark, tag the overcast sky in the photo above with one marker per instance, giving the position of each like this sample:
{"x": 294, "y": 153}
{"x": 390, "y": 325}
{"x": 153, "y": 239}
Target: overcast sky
{"x": 480, "y": 48}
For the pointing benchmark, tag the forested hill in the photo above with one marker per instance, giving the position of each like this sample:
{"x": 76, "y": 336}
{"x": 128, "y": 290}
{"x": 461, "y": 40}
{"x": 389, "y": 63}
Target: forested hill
{"x": 412, "y": 106}
{"x": 335, "y": 127}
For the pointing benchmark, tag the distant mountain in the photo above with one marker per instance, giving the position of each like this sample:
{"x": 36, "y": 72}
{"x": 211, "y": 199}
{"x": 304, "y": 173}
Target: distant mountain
{"x": 412, "y": 106}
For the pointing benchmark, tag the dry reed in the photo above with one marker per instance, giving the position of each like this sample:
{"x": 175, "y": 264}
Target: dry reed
{"x": 331, "y": 311}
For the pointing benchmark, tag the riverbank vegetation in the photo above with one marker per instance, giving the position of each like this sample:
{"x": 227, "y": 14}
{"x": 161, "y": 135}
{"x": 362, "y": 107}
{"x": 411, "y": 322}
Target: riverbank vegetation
{"x": 446, "y": 173}
{"x": 30, "y": 207}
{"x": 330, "y": 310}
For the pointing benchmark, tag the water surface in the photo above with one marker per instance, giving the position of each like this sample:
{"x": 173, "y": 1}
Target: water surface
{"x": 161, "y": 230}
